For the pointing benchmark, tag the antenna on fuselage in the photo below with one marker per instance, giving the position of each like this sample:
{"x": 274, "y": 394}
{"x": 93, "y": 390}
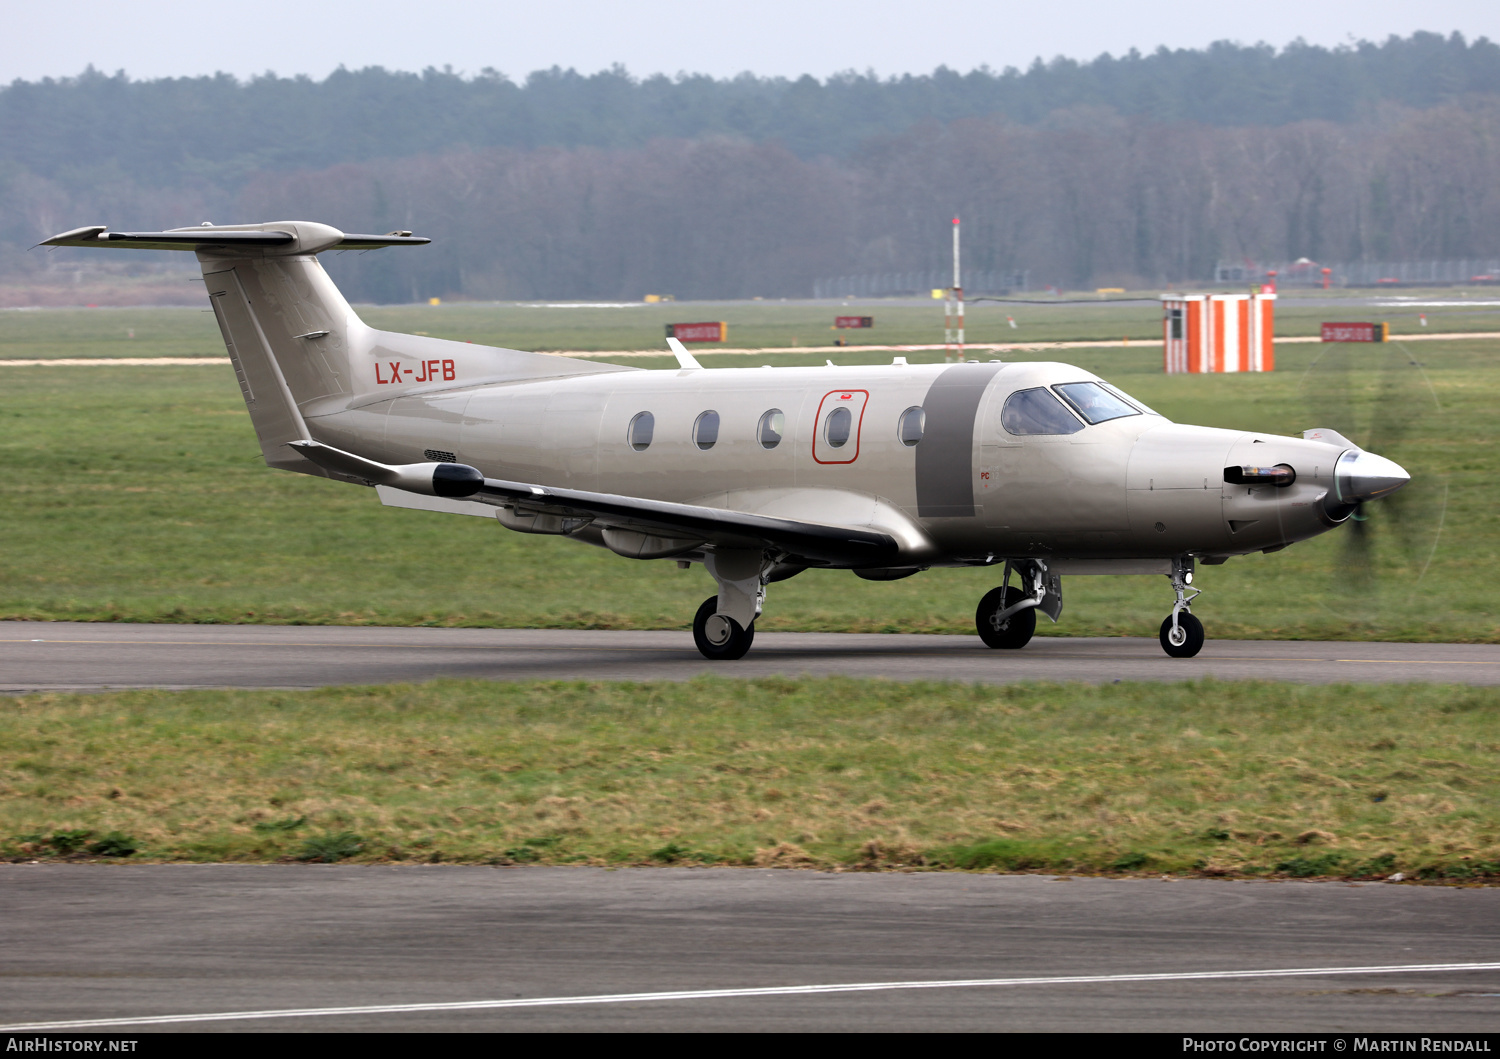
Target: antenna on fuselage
{"x": 684, "y": 358}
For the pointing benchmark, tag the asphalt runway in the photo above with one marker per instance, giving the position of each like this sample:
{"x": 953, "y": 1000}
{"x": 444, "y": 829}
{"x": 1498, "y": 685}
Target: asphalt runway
{"x": 454, "y": 944}
{"x": 62, "y": 656}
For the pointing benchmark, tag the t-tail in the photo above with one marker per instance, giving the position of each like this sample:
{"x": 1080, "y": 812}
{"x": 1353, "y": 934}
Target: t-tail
{"x": 299, "y": 350}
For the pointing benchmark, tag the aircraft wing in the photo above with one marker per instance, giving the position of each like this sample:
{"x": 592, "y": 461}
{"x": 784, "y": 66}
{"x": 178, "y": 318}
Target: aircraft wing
{"x": 732, "y": 529}
{"x": 461, "y": 487}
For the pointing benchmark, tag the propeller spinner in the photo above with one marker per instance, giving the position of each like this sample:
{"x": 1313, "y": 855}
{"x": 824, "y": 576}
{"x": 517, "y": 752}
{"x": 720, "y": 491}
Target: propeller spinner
{"x": 1361, "y": 476}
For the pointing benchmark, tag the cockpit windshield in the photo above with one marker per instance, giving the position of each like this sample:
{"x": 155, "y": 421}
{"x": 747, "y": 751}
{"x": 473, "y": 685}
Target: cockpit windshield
{"x": 1095, "y": 403}
{"x": 1132, "y": 400}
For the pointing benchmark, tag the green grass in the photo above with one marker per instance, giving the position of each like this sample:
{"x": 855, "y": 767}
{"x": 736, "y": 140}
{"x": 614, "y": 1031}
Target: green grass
{"x": 787, "y": 324}
{"x": 139, "y": 495}
{"x": 184, "y": 332}
{"x": 1243, "y": 778}
{"x": 47, "y": 334}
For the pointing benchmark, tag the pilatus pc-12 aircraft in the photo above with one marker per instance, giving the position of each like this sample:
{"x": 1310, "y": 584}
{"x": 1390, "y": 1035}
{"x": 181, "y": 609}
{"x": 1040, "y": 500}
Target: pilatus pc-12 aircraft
{"x": 1036, "y": 469}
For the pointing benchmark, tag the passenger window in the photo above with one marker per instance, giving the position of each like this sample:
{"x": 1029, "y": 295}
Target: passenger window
{"x": 913, "y": 422}
{"x": 706, "y": 430}
{"x": 1037, "y": 412}
{"x": 1094, "y": 402}
{"x": 642, "y": 425}
{"x": 836, "y": 427}
{"x": 772, "y": 427}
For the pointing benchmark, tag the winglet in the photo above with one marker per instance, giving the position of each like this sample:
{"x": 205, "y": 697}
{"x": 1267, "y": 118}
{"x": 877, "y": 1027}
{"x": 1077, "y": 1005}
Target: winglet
{"x": 684, "y": 358}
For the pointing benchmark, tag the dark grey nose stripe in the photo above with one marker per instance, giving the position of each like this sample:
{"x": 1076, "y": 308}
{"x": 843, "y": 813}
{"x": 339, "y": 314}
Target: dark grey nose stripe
{"x": 945, "y": 457}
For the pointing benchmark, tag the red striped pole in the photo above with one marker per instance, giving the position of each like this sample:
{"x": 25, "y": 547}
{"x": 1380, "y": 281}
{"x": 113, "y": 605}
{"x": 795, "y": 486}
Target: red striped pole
{"x": 953, "y": 317}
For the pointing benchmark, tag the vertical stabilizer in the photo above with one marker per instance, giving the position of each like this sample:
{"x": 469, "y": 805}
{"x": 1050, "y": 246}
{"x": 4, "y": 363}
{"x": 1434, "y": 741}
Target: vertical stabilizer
{"x": 286, "y": 327}
{"x": 300, "y": 352}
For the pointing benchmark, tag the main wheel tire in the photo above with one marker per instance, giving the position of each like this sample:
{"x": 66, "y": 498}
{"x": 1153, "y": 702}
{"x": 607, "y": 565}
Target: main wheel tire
{"x": 718, "y": 636}
{"x": 1189, "y": 638}
{"x": 1013, "y": 632}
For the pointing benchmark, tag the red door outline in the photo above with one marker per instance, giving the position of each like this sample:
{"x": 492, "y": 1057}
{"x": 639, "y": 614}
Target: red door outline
{"x": 844, "y": 397}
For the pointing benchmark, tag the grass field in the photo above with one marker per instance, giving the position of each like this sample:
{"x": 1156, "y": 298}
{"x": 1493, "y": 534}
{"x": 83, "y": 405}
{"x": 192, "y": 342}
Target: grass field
{"x": 1209, "y": 778}
{"x": 138, "y": 494}
{"x": 106, "y": 332}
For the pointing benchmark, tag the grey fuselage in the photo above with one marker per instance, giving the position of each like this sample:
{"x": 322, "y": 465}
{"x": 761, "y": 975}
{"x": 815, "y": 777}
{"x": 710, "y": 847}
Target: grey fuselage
{"x": 1135, "y": 487}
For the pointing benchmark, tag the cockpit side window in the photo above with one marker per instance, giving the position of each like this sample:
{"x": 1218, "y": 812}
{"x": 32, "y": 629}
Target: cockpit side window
{"x": 1095, "y": 403}
{"x": 1037, "y": 412}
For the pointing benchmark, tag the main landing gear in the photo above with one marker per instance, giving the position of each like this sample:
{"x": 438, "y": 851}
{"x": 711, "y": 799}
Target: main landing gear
{"x": 1182, "y": 634}
{"x": 719, "y": 637}
{"x": 724, "y": 627}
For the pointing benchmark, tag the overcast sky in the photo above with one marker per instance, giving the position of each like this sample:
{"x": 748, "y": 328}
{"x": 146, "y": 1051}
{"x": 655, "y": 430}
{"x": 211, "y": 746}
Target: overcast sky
{"x": 158, "y": 38}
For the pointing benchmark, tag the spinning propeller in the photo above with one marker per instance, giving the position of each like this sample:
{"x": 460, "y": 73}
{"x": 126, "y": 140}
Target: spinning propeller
{"x": 1379, "y": 398}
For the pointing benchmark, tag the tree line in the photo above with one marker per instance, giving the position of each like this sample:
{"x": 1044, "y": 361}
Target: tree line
{"x": 1106, "y": 203}
{"x": 1084, "y": 195}
{"x": 220, "y": 130}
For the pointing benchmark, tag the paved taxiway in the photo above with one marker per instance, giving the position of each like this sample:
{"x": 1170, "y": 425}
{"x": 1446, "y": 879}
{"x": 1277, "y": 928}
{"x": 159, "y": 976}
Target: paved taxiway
{"x": 107, "y": 941}
{"x": 44, "y": 656}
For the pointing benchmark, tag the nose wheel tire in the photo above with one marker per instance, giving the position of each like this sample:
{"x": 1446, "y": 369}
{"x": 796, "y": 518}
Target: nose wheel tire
{"x": 1011, "y": 633}
{"x": 719, "y": 637}
{"x": 1188, "y": 638}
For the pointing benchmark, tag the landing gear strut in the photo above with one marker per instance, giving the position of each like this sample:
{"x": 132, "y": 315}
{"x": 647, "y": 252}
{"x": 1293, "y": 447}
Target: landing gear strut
{"x": 1182, "y": 634}
{"x": 724, "y": 627}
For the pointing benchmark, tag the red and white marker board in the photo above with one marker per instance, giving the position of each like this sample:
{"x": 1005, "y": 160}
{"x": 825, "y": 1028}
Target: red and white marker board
{"x": 1218, "y": 332}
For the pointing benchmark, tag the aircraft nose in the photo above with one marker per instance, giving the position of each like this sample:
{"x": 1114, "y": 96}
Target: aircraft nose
{"x": 1363, "y": 476}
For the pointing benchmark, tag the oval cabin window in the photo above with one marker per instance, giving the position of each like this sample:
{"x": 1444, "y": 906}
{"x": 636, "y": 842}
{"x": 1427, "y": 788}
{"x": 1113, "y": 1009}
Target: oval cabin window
{"x": 913, "y": 422}
{"x": 836, "y": 427}
{"x": 772, "y": 427}
{"x": 706, "y": 430}
{"x": 642, "y": 426}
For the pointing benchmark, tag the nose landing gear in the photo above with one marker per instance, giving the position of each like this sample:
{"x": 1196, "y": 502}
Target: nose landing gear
{"x": 1002, "y": 622}
{"x": 1182, "y": 634}
{"x": 1006, "y": 617}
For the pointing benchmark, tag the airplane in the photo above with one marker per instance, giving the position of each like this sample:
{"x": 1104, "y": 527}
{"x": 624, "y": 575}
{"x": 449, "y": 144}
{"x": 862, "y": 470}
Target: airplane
{"x": 1038, "y": 469}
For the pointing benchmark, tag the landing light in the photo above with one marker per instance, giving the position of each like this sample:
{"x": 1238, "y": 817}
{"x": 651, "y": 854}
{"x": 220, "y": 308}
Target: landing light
{"x": 1187, "y": 578}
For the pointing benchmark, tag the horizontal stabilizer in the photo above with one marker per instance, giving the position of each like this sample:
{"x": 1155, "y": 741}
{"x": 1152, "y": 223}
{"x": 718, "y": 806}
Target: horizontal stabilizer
{"x": 285, "y": 236}
{"x": 374, "y": 242}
